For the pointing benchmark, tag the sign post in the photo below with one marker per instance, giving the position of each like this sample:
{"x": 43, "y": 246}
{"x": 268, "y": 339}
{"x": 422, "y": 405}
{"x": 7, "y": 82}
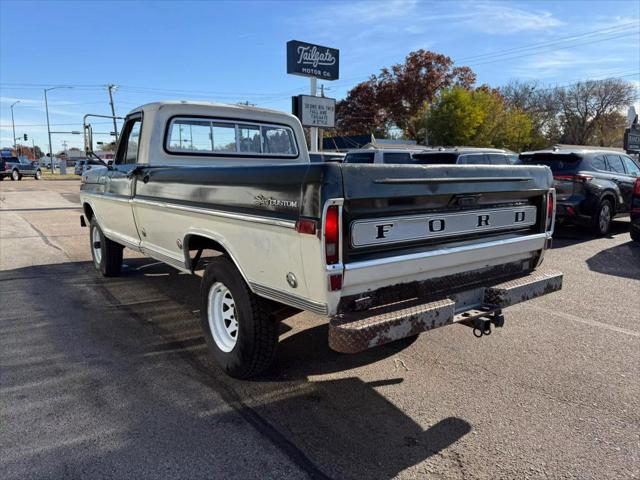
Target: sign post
{"x": 314, "y": 61}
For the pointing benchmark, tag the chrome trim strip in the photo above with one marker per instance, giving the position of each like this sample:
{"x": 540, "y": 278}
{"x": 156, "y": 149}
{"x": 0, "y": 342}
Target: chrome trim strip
{"x": 289, "y": 299}
{"x": 452, "y": 180}
{"x": 165, "y": 258}
{"x": 443, "y": 251}
{"x": 107, "y": 196}
{"x": 218, "y": 213}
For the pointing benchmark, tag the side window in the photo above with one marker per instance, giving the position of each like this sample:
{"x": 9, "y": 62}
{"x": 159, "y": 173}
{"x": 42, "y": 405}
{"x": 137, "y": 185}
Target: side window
{"x": 498, "y": 159}
{"x": 598, "y": 163}
{"x": 400, "y": 158}
{"x": 475, "y": 159}
{"x": 615, "y": 164}
{"x": 632, "y": 168}
{"x": 128, "y": 148}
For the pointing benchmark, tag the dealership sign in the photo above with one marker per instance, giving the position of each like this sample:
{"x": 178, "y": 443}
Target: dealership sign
{"x": 315, "y": 111}
{"x": 311, "y": 60}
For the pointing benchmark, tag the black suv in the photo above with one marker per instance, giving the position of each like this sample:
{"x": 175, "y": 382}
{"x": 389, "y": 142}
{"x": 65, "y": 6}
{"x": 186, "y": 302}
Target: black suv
{"x": 15, "y": 168}
{"x": 466, "y": 156}
{"x": 592, "y": 185}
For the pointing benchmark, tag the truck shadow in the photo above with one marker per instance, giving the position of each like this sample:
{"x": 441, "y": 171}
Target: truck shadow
{"x": 330, "y": 428}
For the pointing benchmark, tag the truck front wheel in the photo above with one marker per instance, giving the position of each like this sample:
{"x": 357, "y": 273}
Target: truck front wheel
{"x": 106, "y": 254}
{"x": 238, "y": 325}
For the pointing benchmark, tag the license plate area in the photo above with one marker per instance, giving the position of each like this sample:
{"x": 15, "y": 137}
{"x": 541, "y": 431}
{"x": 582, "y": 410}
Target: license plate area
{"x": 381, "y": 231}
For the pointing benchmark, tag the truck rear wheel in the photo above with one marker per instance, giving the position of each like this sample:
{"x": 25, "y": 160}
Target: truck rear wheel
{"x": 237, "y": 324}
{"x": 106, "y": 254}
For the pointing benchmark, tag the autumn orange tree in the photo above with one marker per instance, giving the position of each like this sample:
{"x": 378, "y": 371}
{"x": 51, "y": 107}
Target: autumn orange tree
{"x": 398, "y": 94}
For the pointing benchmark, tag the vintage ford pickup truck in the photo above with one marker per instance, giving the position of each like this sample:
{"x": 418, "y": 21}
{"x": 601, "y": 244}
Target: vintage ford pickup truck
{"x": 383, "y": 251}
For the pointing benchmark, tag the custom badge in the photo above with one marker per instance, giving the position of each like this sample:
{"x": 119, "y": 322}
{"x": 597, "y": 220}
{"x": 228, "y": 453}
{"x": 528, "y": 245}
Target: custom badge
{"x": 262, "y": 201}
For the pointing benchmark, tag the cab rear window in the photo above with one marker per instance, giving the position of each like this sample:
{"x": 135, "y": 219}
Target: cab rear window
{"x": 568, "y": 162}
{"x": 360, "y": 157}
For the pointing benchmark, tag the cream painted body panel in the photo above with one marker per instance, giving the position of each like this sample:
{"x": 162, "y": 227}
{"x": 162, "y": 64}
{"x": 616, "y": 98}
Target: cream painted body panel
{"x": 264, "y": 253}
{"x": 115, "y": 217}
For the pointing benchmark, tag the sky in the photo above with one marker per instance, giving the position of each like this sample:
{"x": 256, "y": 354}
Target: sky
{"x": 235, "y": 51}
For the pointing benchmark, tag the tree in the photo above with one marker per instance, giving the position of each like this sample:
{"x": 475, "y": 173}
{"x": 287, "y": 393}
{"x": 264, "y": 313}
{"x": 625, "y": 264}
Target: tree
{"x": 478, "y": 118}
{"x": 359, "y": 112}
{"x": 398, "y": 95}
{"x": 107, "y": 146}
{"x": 403, "y": 90}
{"x": 542, "y": 108}
{"x": 587, "y": 108}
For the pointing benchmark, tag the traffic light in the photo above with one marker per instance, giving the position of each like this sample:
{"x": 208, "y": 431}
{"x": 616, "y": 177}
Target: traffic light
{"x": 25, "y": 137}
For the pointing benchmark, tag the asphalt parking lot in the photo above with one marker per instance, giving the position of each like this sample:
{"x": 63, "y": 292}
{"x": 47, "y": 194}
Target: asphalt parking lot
{"x": 110, "y": 378}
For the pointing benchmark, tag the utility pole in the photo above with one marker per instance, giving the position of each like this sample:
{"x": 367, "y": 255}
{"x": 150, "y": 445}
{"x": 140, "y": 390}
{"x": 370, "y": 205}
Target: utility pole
{"x": 110, "y": 88}
{"x": 46, "y": 107}
{"x": 13, "y": 124}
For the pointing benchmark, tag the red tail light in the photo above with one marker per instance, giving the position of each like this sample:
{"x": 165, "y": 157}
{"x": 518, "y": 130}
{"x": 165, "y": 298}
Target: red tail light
{"x": 551, "y": 208}
{"x": 636, "y": 187}
{"x": 573, "y": 178}
{"x": 332, "y": 235}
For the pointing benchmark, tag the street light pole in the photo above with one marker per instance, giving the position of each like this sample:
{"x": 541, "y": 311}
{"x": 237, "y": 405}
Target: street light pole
{"x": 46, "y": 107}
{"x": 13, "y": 124}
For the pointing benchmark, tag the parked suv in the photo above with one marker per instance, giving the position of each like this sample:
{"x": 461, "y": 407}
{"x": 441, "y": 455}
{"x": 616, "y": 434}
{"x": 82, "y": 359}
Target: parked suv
{"x": 15, "y": 168}
{"x": 592, "y": 185}
{"x": 466, "y": 156}
{"x": 635, "y": 212}
{"x": 381, "y": 155}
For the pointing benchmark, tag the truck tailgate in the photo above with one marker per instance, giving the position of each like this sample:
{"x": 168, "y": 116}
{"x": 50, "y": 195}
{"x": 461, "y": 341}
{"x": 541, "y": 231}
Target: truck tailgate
{"x": 411, "y": 223}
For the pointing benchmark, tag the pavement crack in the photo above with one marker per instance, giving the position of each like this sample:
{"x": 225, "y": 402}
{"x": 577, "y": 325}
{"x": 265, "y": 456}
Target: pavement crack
{"x": 44, "y": 237}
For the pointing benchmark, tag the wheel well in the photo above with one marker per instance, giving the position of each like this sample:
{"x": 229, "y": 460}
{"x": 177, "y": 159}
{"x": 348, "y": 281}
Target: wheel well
{"x": 199, "y": 244}
{"x": 611, "y": 197}
{"x": 88, "y": 211}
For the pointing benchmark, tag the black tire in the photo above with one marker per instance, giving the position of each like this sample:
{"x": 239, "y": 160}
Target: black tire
{"x": 37, "y": 175}
{"x": 601, "y": 221}
{"x": 635, "y": 232}
{"x": 257, "y": 332}
{"x": 15, "y": 175}
{"x": 110, "y": 262}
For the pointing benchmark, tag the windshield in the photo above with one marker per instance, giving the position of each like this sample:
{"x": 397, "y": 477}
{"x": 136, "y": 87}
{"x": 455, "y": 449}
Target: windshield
{"x": 563, "y": 162}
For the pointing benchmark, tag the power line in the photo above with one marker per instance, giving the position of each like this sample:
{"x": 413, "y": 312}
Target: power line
{"x": 609, "y": 30}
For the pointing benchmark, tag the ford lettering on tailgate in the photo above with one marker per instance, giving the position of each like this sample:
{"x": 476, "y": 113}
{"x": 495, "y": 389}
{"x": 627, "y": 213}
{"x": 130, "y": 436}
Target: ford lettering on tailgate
{"x": 404, "y": 229}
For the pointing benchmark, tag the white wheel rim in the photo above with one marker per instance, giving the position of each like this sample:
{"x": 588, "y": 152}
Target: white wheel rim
{"x": 97, "y": 251}
{"x": 15, "y": 175}
{"x": 222, "y": 317}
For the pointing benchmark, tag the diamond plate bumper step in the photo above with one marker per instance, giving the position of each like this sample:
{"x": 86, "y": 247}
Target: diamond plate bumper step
{"x": 354, "y": 332}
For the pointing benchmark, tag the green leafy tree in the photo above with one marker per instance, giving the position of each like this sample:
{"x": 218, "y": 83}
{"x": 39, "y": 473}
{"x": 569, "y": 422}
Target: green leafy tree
{"x": 476, "y": 118}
